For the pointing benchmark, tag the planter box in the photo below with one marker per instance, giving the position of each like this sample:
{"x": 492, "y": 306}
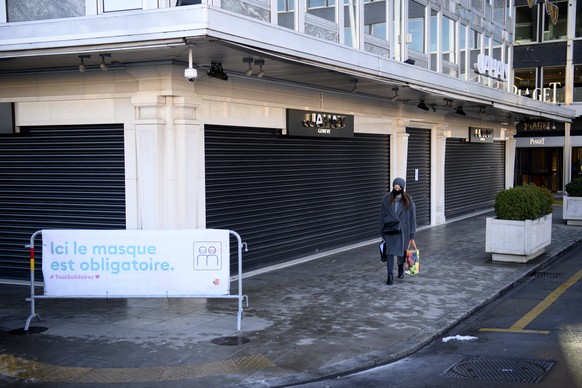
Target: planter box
{"x": 572, "y": 210}
{"x": 517, "y": 241}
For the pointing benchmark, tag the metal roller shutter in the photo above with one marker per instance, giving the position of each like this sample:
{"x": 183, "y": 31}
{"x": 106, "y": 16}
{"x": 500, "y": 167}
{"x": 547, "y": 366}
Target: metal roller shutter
{"x": 474, "y": 174}
{"x": 58, "y": 178}
{"x": 419, "y": 160}
{"x": 288, "y": 196}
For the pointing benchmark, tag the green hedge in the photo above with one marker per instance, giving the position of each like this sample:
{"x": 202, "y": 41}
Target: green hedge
{"x": 574, "y": 188}
{"x": 527, "y": 202}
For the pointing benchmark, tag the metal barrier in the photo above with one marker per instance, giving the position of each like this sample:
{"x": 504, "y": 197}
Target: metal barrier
{"x": 33, "y": 314}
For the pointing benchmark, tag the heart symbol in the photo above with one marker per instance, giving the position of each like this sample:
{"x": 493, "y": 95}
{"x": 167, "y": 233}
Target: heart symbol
{"x": 97, "y": 276}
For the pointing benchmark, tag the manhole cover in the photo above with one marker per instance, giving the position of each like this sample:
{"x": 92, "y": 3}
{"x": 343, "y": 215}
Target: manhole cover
{"x": 31, "y": 330}
{"x": 230, "y": 341}
{"x": 547, "y": 275}
{"x": 519, "y": 371}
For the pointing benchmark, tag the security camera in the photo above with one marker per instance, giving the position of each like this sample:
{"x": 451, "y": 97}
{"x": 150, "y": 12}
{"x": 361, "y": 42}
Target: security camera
{"x": 190, "y": 74}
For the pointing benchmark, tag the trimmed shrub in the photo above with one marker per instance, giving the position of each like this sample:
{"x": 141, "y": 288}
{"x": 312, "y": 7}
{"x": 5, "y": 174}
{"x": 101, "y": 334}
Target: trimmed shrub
{"x": 527, "y": 202}
{"x": 574, "y": 188}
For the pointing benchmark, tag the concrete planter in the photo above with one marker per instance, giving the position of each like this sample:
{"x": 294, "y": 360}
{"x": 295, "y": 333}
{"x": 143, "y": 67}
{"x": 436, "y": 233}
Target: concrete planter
{"x": 517, "y": 241}
{"x": 572, "y": 210}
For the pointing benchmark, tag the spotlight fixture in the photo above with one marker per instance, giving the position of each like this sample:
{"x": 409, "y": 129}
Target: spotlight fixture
{"x": 103, "y": 65}
{"x": 355, "y": 87}
{"x": 216, "y": 71}
{"x": 260, "y": 62}
{"x": 481, "y": 109}
{"x": 395, "y": 90}
{"x": 448, "y": 103}
{"x": 410, "y": 61}
{"x": 433, "y": 106}
{"x": 248, "y": 60}
{"x": 82, "y": 65}
{"x": 553, "y": 125}
{"x": 460, "y": 111}
{"x": 422, "y": 105}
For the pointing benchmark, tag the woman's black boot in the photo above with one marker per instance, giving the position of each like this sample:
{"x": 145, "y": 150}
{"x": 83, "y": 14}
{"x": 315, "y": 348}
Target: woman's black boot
{"x": 390, "y": 279}
{"x": 400, "y": 271}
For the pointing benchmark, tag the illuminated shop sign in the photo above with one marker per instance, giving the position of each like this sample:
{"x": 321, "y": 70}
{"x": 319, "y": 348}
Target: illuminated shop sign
{"x": 320, "y": 124}
{"x": 541, "y": 94}
{"x": 480, "y": 135}
{"x": 491, "y": 67}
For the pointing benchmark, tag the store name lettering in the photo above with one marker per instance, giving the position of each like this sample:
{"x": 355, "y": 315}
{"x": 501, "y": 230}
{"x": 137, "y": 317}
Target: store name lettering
{"x": 491, "y": 67}
{"x": 324, "y": 122}
{"x": 536, "y": 125}
{"x": 540, "y": 94}
{"x": 540, "y": 141}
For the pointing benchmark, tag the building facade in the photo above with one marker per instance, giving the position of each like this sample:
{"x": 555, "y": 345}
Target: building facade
{"x": 285, "y": 121}
{"x": 548, "y": 67}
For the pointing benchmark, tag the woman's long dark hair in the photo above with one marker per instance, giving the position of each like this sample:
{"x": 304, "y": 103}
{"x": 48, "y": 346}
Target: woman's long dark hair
{"x": 405, "y": 199}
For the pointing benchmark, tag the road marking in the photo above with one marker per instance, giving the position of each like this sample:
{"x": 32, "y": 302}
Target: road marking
{"x": 518, "y": 327}
{"x": 39, "y": 371}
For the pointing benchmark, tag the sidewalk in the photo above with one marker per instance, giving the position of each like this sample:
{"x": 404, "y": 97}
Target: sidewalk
{"x": 318, "y": 319}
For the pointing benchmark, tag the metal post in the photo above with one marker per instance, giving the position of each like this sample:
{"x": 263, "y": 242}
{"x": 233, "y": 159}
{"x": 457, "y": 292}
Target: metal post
{"x": 33, "y": 313}
{"x": 240, "y": 295}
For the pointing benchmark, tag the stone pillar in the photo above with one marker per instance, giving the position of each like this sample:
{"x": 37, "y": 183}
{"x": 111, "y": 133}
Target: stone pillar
{"x": 169, "y": 163}
{"x": 510, "y": 146}
{"x": 439, "y": 172}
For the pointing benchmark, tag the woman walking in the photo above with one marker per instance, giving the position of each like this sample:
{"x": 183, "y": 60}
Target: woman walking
{"x": 397, "y": 226}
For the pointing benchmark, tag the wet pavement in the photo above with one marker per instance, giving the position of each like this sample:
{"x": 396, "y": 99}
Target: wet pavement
{"x": 316, "y": 319}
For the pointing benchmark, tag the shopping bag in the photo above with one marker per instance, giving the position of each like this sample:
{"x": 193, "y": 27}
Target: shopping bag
{"x": 412, "y": 262}
{"x": 382, "y": 248}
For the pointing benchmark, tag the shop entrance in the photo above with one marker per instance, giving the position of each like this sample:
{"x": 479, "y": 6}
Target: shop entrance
{"x": 540, "y": 166}
{"x": 576, "y": 162}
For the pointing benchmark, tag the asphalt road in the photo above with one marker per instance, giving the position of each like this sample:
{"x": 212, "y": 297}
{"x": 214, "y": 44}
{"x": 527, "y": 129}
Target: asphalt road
{"x": 529, "y": 337}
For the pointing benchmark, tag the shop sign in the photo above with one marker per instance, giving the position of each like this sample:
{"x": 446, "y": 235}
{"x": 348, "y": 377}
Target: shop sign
{"x": 491, "y": 67}
{"x": 480, "y": 135}
{"x": 541, "y": 94}
{"x": 319, "y": 124}
{"x": 534, "y": 125}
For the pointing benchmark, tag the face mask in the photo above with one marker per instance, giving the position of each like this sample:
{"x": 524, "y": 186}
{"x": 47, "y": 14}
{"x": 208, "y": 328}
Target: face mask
{"x": 396, "y": 192}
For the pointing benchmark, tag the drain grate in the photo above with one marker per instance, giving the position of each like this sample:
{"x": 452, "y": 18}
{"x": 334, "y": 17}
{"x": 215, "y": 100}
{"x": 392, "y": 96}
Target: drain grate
{"x": 230, "y": 341}
{"x": 518, "y": 371}
{"x": 547, "y": 274}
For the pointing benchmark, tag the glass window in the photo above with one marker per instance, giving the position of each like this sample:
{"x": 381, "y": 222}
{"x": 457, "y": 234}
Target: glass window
{"x": 375, "y": 18}
{"x": 121, "y": 5}
{"x": 554, "y": 80}
{"x": 463, "y": 50}
{"x": 351, "y": 30}
{"x": 525, "y": 81}
{"x": 556, "y": 20}
{"x": 499, "y": 7}
{"x": 324, "y": 9}
{"x": 526, "y": 23}
{"x": 285, "y": 13}
{"x": 449, "y": 47}
{"x": 475, "y": 46}
{"x": 578, "y": 83}
{"x": 434, "y": 19}
{"x": 416, "y": 21}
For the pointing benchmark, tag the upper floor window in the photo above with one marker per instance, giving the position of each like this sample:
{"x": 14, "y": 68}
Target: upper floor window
{"x": 477, "y": 6}
{"x": 578, "y": 19}
{"x": 286, "y": 13}
{"x": 416, "y": 25}
{"x": 121, "y": 5}
{"x": 526, "y": 23}
{"x": 577, "y": 95}
{"x": 499, "y": 8}
{"x": 555, "y": 26}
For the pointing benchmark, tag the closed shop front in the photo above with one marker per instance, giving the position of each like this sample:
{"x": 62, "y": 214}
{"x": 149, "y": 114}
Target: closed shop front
{"x": 69, "y": 177}
{"x": 474, "y": 174}
{"x": 289, "y": 197}
{"x": 418, "y": 173}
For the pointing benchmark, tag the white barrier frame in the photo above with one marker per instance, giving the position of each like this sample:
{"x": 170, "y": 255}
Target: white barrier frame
{"x": 33, "y": 296}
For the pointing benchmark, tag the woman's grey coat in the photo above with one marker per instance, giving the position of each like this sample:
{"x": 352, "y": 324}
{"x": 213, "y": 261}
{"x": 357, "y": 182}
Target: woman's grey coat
{"x": 396, "y": 244}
